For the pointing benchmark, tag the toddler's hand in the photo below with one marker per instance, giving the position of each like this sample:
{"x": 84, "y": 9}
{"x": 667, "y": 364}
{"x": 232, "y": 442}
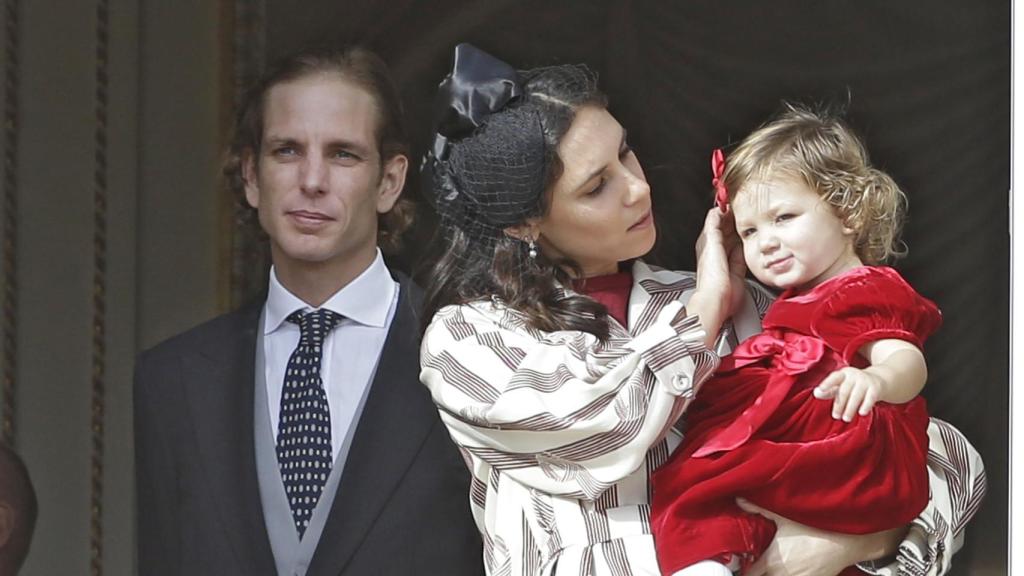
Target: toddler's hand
{"x": 855, "y": 392}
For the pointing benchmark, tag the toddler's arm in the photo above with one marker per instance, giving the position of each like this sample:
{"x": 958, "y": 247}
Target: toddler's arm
{"x": 896, "y": 375}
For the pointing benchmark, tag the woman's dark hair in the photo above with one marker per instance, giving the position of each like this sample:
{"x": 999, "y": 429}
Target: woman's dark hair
{"x": 498, "y": 177}
{"x": 356, "y": 65}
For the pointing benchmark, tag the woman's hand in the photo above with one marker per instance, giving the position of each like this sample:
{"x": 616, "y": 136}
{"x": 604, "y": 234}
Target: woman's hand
{"x": 800, "y": 550}
{"x": 720, "y": 272}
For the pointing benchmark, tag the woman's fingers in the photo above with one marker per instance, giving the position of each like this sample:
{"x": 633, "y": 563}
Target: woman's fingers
{"x": 713, "y": 224}
{"x": 758, "y": 568}
{"x": 749, "y": 506}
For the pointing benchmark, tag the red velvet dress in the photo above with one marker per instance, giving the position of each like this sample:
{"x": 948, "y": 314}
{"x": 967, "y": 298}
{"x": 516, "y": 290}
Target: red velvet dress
{"x": 755, "y": 429}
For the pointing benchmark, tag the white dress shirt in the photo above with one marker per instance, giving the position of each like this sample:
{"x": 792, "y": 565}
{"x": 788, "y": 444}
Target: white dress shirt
{"x": 350, "y": 351}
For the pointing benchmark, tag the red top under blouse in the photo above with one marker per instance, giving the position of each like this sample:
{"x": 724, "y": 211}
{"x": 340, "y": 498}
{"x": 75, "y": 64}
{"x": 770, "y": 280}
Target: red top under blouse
{"x": 612, "y": 290}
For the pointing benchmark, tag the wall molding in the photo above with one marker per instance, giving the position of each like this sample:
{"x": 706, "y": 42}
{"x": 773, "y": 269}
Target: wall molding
{"x": 249, "y": 257}
{"x": 99, "y": 289}
{"x": 10, "y": 214}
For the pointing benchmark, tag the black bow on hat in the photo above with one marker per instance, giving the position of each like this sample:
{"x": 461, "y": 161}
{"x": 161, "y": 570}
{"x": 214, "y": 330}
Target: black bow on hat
{"x": 487, "y": 166}
{"x": 478, "y": 86}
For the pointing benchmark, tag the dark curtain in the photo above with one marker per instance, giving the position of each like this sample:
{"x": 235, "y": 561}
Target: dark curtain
{"x": 925, "y": 82}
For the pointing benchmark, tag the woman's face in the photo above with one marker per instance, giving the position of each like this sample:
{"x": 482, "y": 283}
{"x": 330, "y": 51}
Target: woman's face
{"x": 600, "y": 207}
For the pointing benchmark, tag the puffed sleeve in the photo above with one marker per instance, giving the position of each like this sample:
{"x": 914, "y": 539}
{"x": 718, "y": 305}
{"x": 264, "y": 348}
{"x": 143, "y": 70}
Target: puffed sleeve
{"x": 873, "y": 303}
{"x": 561, "y": 412}
{"x": 957, "y": 481}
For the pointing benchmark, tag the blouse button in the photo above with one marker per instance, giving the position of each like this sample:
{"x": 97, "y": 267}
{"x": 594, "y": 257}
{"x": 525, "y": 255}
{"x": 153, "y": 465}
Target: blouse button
{"x": 681, "y": 382}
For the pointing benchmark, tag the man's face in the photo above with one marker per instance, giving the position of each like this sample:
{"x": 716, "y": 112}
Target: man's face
{"x": 318, "y": 183}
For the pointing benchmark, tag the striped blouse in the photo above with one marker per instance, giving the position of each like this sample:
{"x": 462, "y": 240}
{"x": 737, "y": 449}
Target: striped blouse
{"x": 561, "y": 431}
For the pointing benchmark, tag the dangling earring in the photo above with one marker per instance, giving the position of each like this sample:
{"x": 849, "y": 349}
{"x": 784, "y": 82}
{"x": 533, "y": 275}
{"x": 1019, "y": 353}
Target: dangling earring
{"x": 533, "y": 249}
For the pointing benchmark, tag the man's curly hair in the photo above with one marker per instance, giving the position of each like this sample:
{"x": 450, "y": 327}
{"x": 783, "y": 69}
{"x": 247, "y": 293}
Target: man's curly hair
{"x": 354, "y": 64}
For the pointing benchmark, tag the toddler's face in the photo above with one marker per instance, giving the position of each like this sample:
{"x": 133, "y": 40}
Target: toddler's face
{"x": 791, "y": 237}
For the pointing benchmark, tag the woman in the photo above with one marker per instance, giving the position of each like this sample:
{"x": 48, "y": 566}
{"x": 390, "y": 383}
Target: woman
{"x": 559, "y": 361}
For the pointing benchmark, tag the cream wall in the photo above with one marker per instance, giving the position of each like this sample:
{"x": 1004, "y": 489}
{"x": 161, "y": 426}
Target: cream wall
{"x": 164, "y": 123}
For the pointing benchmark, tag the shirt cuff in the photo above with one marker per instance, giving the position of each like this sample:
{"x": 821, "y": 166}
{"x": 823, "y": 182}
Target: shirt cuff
{"x": 673, "y": 348}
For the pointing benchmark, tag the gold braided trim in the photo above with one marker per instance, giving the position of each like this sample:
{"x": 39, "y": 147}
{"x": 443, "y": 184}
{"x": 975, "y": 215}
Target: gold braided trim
{"x": 99, "y": 297}
{"x": 10, "y": 214}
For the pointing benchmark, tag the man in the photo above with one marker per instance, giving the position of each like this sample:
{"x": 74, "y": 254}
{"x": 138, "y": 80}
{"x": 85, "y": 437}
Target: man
{"x": 294, "y": 437}
{"x": 18, "y": 510}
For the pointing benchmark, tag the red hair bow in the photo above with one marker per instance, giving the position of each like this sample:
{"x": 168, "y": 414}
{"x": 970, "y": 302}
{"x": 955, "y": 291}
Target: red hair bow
{"x": 717, "y": 170}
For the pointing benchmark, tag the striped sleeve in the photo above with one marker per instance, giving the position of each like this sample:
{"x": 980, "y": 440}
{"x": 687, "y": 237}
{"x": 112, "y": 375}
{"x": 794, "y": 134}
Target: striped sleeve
{"x": 561, "y": 412}
{"x": 957, "y": 483}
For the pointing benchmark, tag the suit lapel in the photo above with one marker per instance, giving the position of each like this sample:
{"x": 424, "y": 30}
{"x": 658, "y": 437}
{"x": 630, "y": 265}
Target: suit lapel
{"x": 219, "y": 389}
{"x": 393, "y": 426}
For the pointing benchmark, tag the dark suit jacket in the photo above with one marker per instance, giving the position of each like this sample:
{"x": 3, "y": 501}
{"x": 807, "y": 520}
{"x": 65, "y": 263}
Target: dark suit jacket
{"x": 402, "y": 505}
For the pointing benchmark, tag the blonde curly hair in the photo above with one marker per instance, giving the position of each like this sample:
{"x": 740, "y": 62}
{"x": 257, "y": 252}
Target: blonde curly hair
{"x": 823, "y": 151}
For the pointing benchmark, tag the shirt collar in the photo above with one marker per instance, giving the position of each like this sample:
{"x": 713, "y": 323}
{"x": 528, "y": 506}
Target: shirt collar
{"x": 365, "y": 300}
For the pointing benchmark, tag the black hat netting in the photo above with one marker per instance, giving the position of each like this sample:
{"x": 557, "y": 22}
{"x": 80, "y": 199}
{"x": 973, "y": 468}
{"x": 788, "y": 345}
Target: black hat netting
{"x": 495, "y": 176}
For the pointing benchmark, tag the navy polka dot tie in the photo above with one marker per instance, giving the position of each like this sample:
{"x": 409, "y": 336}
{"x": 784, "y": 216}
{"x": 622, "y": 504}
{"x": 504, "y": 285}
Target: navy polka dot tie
{"x": 304, "y": 429}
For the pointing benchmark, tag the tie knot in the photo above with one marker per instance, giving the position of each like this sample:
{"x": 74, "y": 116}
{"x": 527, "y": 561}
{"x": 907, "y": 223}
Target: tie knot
{"x": 316, "y": 324}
